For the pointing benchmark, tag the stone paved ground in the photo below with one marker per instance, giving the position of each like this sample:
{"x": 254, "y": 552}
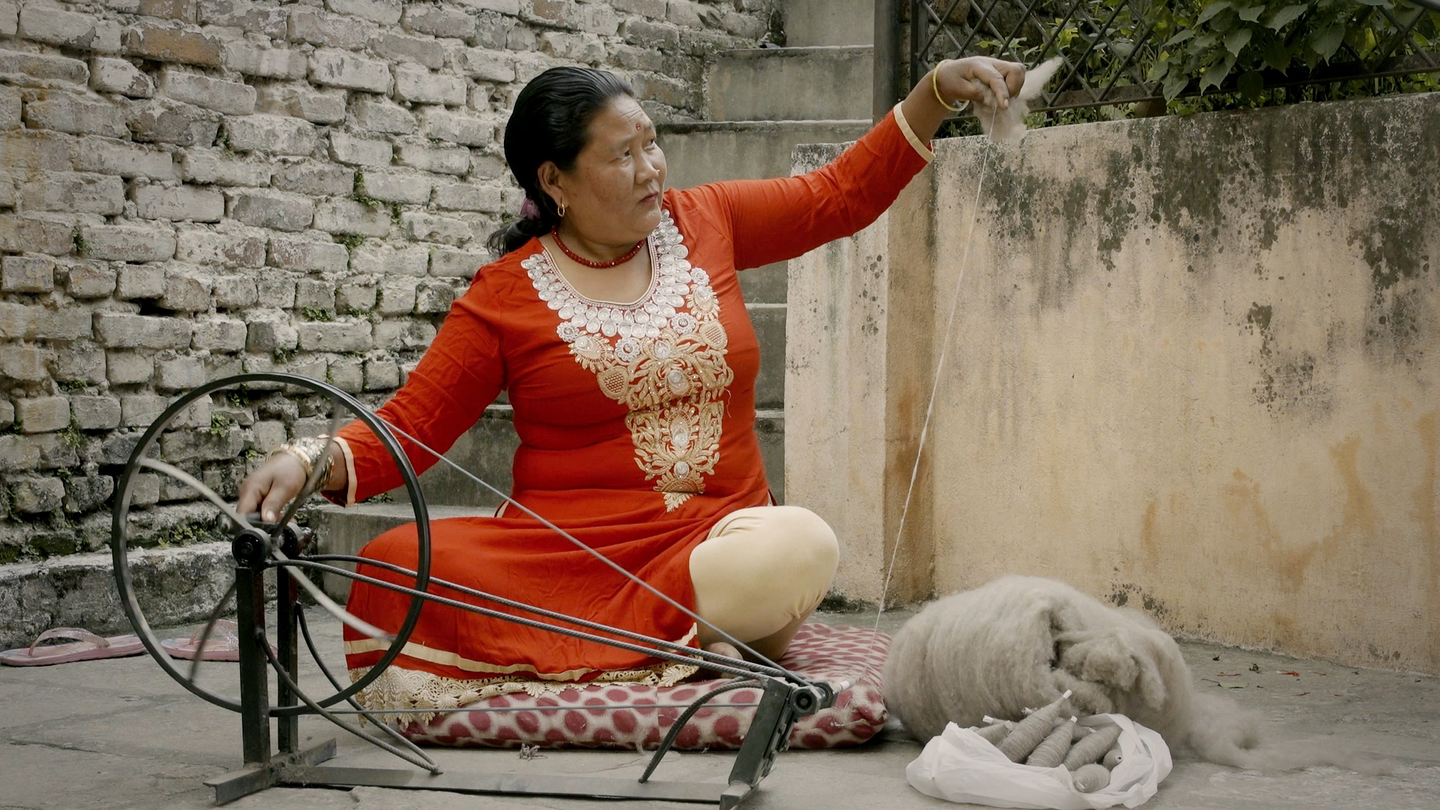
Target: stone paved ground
{"x": 120, "y": 734}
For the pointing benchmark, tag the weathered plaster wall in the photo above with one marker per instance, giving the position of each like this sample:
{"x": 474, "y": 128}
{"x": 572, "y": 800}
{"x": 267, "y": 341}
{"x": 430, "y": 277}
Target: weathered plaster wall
{"x": 1195, "y": 368}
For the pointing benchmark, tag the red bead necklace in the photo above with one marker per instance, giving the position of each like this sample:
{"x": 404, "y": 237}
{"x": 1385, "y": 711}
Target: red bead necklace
{"x": 578, "y": 259}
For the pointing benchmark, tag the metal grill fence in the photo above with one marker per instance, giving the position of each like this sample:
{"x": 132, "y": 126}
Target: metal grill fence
{"x": 1152, "y": 51}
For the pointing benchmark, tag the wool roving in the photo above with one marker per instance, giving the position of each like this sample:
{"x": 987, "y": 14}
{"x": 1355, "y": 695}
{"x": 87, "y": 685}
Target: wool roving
{"x": 1008, "y": 125}
{"x": 1024, "y": 641}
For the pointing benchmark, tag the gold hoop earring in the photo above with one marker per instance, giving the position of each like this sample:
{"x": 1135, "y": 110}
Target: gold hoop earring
{"x": 561, "y": 210}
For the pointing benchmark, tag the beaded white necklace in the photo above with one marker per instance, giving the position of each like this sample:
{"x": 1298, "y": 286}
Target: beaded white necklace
{"x": 672, "y": 281}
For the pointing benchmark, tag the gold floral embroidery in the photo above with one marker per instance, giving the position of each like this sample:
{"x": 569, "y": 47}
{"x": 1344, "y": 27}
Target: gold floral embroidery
{"x": 662, "y": 357}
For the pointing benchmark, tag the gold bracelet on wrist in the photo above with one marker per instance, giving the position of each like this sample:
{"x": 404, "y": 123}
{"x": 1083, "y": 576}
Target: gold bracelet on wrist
{"x": 310, "y": 451}
{"x": 287, "y": 450}
{"x": 935, "y": 85}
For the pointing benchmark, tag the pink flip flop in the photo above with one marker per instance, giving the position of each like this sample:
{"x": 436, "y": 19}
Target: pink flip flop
{"x": 86, "y": 647}
{"x": 223, "y": 644}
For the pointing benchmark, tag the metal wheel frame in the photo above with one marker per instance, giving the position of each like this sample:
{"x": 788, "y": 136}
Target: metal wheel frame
{"x": 785, "y": 696}
{"x": 120, "y": 547}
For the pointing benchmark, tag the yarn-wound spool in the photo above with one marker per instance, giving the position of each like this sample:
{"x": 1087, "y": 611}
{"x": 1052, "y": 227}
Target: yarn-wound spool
{"x": 1092, "y": 748}
{"x": 995, "y": 733}
{"x": 1090, "y": 778}
{"x": 1112, "y": 758}
{"x": 1029, "y": 732}
{"x": 1051, "y": 752}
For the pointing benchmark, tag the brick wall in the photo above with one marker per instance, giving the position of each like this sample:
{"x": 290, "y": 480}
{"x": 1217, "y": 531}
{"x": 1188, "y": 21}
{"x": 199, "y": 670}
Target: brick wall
{"x": 190, "y": 189}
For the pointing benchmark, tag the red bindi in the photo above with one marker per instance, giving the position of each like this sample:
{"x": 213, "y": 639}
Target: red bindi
{"x": 637, "y": 126}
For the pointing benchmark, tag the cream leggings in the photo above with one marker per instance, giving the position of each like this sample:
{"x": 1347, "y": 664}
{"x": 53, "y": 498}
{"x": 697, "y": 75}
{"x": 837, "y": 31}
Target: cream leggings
{"x": 761, "y": 571}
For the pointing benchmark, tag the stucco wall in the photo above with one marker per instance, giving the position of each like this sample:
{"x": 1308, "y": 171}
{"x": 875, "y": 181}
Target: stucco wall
{"x": 1194, "y": 369}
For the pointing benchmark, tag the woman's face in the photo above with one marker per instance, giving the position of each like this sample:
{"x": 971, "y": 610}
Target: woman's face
{"x": 612, "y": 194}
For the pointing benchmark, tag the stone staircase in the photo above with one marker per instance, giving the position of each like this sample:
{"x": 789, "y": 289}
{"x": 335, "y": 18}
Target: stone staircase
{"x": 760, "y": 104}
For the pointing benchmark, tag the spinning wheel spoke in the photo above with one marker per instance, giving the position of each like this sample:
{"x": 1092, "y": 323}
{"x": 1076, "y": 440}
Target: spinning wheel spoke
{"x": 194, "y": 483}
{"x": 221, "y": 608}
{"x": 239, "y": 522}
{"x": 356, "y": 708}
{"x": 350, "y": 620}
{"x": 421, "y": 761}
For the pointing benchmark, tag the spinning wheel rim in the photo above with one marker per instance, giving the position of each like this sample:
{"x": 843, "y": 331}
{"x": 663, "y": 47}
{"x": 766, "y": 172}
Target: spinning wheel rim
{"x": 120, "y": 547}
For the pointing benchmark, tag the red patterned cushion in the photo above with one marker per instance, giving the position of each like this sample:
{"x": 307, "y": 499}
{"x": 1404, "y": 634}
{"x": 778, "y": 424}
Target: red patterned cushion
{"x": 589, "y": 717}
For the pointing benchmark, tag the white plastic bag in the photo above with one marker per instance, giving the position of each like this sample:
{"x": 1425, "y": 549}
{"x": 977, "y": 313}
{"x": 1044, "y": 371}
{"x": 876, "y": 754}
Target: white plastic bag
{"x": 960, "y": 766}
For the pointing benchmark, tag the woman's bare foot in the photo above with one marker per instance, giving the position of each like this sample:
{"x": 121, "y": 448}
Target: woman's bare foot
{"x": 724, "y": 648}
{"x": 720, "y": 648}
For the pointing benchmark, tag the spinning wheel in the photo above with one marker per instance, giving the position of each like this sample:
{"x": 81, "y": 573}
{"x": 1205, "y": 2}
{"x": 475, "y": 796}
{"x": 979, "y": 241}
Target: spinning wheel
{"x": 255, "y": 545}
{"x": 287, "y": 551}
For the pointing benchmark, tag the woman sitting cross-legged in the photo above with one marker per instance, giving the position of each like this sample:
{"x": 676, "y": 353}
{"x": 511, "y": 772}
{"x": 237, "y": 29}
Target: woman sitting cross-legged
{"x": 614, "y": 320}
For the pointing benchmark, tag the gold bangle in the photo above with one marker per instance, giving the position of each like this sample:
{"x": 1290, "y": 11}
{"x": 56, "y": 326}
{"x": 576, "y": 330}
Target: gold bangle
{"x": 935, "y": 85}
{"x": 310, "y": 451}
{"x": 287, "y": 450}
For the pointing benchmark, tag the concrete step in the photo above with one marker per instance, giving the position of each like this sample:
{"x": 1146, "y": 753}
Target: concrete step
{"x": 770, "y": 428}
{"x": 173, "y": 586}
{"x": 769, "y": 323}
{"x": 486, "y": 450}
{"x": 347, "y": 530}
{"x": 711, "y": 151}
{"x": 765, "y": 285}
{"x": 790, "y": 84}
{"x": 829, "y": 22}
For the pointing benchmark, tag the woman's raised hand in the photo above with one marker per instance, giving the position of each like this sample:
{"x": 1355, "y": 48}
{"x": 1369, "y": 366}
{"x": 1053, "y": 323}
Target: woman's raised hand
{"x": 970, "y": 79}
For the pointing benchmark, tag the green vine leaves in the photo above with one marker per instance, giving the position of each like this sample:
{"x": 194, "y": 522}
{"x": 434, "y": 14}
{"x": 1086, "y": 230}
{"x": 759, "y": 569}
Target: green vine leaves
{"x": 1210, "y": 42}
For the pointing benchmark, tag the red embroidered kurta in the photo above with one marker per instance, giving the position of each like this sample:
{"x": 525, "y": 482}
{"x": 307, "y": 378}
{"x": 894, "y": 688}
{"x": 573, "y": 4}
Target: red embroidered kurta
{"x": 636, "y": 426}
